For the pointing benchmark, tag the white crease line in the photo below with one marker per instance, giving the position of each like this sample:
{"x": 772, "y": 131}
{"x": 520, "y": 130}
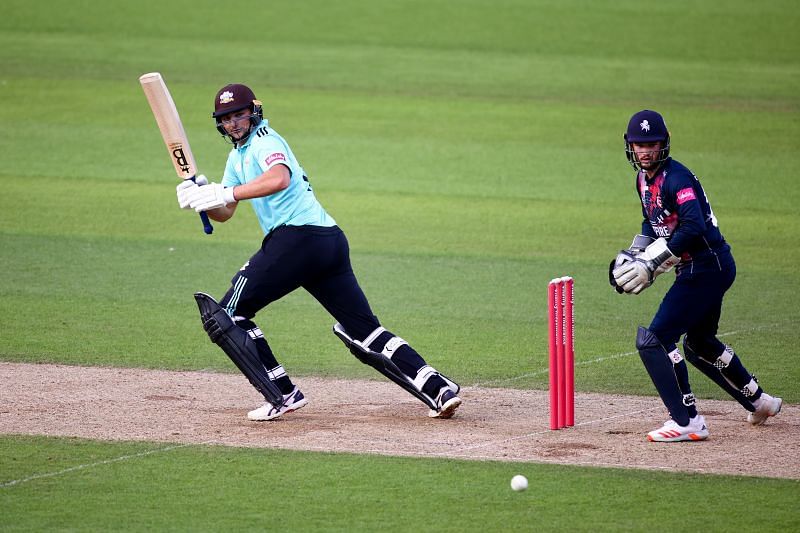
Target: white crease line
{"x": 600, "y": 360}
{"x": 99, "y": 463}
{"x": 547, "y": 371}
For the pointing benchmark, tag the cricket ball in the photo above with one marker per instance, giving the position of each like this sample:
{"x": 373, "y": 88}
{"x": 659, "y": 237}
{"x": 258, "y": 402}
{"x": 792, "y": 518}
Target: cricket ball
{"x": 519, "y": 483}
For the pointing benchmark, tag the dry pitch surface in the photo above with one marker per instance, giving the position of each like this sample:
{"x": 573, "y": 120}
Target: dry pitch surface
{"x": 378, "y": 417}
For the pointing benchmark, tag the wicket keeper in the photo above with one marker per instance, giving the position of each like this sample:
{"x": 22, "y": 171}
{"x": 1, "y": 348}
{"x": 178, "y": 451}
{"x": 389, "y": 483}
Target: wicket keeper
{"x": 680, "y": 231}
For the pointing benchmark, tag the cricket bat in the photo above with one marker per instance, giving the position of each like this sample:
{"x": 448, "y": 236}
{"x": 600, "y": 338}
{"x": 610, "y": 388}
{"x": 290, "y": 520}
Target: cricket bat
{"x": 171, "y": 127}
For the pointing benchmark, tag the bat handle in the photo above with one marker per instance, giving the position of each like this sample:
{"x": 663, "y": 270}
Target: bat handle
{"x": 207, "y": 227}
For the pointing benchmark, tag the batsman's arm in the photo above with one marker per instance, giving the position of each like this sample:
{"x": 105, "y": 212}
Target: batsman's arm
{"x": 220, "y": 201}
{"x": 221, "y": 214}
{"x": 270, "y": 182}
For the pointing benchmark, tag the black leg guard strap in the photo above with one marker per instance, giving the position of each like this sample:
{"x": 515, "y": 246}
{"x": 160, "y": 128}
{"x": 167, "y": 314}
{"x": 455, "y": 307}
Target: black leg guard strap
{"x": 237, "y": 345}
{"x": 713, "y": 372}
{"x": 659, "y": 366}
{"x": 384, "y": 364}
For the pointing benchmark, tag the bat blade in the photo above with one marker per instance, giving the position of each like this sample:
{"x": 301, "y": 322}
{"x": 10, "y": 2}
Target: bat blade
{"x": 172, "y": 132}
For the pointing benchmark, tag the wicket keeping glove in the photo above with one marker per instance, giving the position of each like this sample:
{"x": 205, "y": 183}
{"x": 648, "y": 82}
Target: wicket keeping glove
{"x": 185, "y": 187}
{"x": 639, "y": 244}
{"x": 624, "y": 256}
{"x": 211, "y": 196}
{"x": 635, "y": 276}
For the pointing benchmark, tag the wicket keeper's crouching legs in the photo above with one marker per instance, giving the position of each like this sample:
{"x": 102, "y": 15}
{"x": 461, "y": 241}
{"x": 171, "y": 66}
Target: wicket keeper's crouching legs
{"x": 692, "y": 307}
{"x": 318, "y": 259}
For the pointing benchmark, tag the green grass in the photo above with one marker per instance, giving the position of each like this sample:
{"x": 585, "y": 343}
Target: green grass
{"x": 470, "y": 151}
{"x": 69, "y": 484}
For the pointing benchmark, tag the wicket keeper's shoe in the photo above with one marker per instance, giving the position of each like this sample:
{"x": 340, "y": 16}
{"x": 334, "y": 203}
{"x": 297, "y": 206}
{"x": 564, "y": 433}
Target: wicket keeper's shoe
{"x": 766, "y": 406}
{"x": 447, "y": 404}
{"x": 291, "y": 402}
{"x": 672, "y": 432}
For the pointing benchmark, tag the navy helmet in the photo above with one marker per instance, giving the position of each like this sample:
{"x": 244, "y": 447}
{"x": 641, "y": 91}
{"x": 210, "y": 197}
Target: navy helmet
{"x": 235, "y": 97}
{"x": 646, "y": 127}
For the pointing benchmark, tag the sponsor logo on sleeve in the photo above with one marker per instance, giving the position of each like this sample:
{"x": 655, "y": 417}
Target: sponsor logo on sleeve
{"x": 684, "y": 195}
{"x": 277, "y": 156}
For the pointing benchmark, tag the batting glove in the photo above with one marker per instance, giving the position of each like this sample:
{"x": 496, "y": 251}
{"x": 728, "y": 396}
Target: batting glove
{"x": 185, "y": 187}
{"x": 211, "y": 196}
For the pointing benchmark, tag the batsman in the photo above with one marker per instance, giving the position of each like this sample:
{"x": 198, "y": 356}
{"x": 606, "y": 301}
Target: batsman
{"x": 302, "y": 247}
{"x": 680, "y": 232}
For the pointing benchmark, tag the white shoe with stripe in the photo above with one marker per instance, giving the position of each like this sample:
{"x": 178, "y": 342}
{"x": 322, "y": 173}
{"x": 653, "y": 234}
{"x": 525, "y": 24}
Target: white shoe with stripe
{"x": 672, "y": 432}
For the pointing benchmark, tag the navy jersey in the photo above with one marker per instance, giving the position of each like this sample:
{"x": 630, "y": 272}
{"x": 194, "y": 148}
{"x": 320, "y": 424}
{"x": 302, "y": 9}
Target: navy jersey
{"x": 675, "y": 207}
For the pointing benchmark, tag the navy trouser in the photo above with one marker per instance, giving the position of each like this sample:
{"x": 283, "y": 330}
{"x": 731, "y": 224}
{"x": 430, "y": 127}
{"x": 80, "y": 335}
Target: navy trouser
{"x": 693, "y": 305}
{"x": 317, "y": 259}
{"x": 312, "y": 257}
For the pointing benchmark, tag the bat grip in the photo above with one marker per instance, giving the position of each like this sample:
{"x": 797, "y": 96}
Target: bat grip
{"x": 207, "y": 227}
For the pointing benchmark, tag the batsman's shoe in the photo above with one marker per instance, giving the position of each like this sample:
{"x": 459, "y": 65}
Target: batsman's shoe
{"x": 291, "y": 402}
{"x": 767, "y": 407}
{"x": 447, "y": 402}
{"x": 672, "y": 432}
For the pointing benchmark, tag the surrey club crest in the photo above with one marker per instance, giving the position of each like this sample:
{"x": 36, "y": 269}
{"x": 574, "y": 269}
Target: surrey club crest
{"x": 227, "y": 97}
